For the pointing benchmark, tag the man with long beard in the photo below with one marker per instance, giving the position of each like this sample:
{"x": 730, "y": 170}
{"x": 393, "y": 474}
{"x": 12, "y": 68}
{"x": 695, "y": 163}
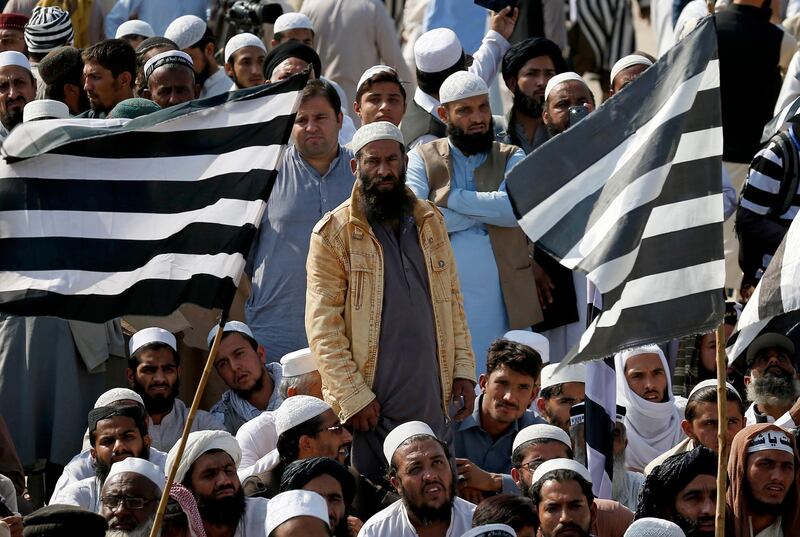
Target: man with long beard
{"x": 384, "y": 310}
{"x": 420, "y": 470}
{"x": 154, "y": 370}
{"x": 208, "y": 469}
{"x": 464, "y": 175}
{"x": 130, "y": 497}
{"x": 772, "y": 383}
{"x": 17, "y": 88}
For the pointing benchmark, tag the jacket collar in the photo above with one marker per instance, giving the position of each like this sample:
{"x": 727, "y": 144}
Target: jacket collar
{"x": 422, "y": 210}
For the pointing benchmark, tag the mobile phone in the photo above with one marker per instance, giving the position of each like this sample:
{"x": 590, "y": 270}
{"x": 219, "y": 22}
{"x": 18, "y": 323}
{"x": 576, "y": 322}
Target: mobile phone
{"x": 497, "y": 5}
{"x": 577, "y": 113}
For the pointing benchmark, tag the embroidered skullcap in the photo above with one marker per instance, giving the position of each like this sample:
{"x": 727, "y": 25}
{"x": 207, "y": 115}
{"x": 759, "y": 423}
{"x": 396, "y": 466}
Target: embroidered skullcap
{"x": 628, "y": 61}
{"x": 133, "y": 108}
{"x": 230, "y": 326}
{"x": 371, "y": 132}
{"x": 63, "y": 521}
{"x": 151, "y": 335}
{"x": 553, "y": 375}
{"x": 298, "y": 363}
{"x": 186, "y": 31}
{"x": 560, "y": 79}
{"x": 295, "y": 503}
{"x": 168, "y": 57}
{"x": 711, "y": 383}
{"x": 401, "y": 433}
{"x": 13, "y": 21}
{"x": 59, "y": 63}
{"x": 462, "y": 85}
{"x": 537, "y": 342}
{"x": 198, "y": 443}
{"x": 296, "y": 410}
{"x": 560, "y": 464}
{"x": 49, "y": 27}
{"x": 292, "y": 21}
{"x": 139, "y": 466}
{"x": 115, "y": 395}
{"x": 12, "y": 57}
{"x": 653, "y": 527}
{"x": 240, "y": 41}
{"x": 541, "y": 431}
{"x": 134, "y": 27}
{"x": 491, "y": 530}
{"x": 437, "y": 50}
{"x": 44, "y": 109}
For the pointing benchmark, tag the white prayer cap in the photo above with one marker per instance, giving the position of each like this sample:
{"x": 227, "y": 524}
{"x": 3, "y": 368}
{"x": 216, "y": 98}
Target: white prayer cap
{"x": 292, "y": 21}
{"x": 560, "y": 464}
{"x": 12, "y": 57}
{"x": 653, "y": 527}
{"x": 151, "y": 335}
{"x": 298, "y": 363}
{"x": 143, "y": 467}
{"x": 541, "y": 431}
{"x": 240, "y": 41}
{"x": 296, "y": 410}
{"x": 372, "y": 71}
{"x": 198, "y": 443}
{"x": 295, "y": 503}
{"x": 770, "y": 439}
{"x": 377, "y": 130}
{"x": 115, "y": 395}
{"x": 560, "y": 79}
{"x": 230, "y": 326}
{"x": 491, "y": 530}
{"x": 437, "y": 50}
{"x": 628, "y": 61}
{"x": 553, "y": 375}
{"x": 401, "y": 433}
{"x": 186, "y": 31}
{"x": 45, "y": 109}
{"x": 462, "y": 85}
{"x": 711, "y": 383}
{"x": 537, "y": 342}
{"x": 134, "y": 27}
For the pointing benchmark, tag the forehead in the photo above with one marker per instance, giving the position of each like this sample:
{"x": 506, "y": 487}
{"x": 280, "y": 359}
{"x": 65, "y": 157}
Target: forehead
{"x": 115, "y": 423}
{"x": 426, "y": 448}
{"x": 571, "y": 89}
{"x": 14, "y": 71}
{"x": 128, "y": 483}
{"x": 632, "y": 71}
{"x": 538, "y": 62}
{"x": 249, "y": 52}
{"x": 772, "y": 455}
{"x": 507, "y": 372}
{"x": 162, "y": 356}
{"x": 470, "y": 102}
{"x": 292, "y": 64}
{"x": 172, "y": 74}
{"x": 10, "y": 32}
{"x": 648, "y": 360}
{"x": 212, "y": 460}
{"x": 299, "y": 34}
{"x": 315, "y": 105}
{"x": 381, "y": 148}
{"x": 94, "y": 67}
{"x": 383, "y": 86}
{"x": 324, "y": 484}
{"x": 546, "y": 451}
{"x": 700, "y": 482}
{"x": 566, "y": 491}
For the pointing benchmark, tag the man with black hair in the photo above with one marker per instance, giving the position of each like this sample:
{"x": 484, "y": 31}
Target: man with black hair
{"x": 561, "y": 491}
{"x": 515, "y": 511}
{"x": 62, "y": 73}
{"x": 147, "y": 49}
{"x": 109, "y": 70}
{"x": 115, "y": 433}
{"x": 380, "y": 96}
{"x": 484, "y": 440}
{"x": 193, "y": 36}
{"x": 154, "y": 370}
{"x": 252, "y": 382}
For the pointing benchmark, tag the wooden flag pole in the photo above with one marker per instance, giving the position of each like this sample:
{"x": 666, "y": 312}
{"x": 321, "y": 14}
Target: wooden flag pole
{"x": 201, "y": 387}
{"x": 722, "y": 431}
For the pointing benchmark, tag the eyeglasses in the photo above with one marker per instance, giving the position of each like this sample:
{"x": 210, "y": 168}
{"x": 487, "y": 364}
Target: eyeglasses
{"x": 132, "y": 503}
{"x": 531, "y": 466}
{"x": 336, "y": 429}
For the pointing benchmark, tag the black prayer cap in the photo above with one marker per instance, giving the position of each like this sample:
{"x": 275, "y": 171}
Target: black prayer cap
{"x": 522, "y": 52}
{"x": 63, "y": 521}
{"x": 299, "y": 473}
{"x": 104, "y": 412}
{"x": 292, "y": 49}
{"x": 59, "y": 63}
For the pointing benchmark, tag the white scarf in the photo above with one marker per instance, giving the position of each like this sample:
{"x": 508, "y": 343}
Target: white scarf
{"x": 652, "y": 428}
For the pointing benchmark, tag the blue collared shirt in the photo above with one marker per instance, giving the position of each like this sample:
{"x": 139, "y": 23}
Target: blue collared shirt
{"x": 494, "y": 456}
{"x": 157, "y": 13}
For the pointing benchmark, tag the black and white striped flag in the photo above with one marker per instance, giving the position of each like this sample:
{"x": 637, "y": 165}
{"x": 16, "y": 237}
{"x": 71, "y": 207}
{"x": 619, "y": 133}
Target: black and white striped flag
{"x": 104, "y": 218}
{"x": 775, "y": 304}
{"x": 632, "y": 197}
{"x": 608, "y": 27}
{"x": 776, "y": 124}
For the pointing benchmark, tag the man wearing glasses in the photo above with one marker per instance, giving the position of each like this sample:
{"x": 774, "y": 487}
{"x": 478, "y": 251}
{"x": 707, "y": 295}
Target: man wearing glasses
{"x": 130, "y": 496}
{"x": 771, "y": 380}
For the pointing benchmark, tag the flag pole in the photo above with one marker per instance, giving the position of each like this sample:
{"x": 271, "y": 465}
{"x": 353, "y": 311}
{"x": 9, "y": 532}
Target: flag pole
{"x": 201, "y": 387}
{"x": 722, "y": 430}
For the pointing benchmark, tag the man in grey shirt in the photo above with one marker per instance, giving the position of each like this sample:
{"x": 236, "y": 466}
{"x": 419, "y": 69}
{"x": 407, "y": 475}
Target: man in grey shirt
{"x": 313, "y": 179}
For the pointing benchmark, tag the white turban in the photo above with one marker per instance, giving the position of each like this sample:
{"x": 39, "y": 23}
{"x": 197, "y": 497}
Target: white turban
{"x": 198, "y": 443}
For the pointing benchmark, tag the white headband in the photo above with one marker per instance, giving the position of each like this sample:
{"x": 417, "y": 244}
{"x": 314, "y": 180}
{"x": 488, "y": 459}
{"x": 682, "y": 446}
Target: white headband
{"x": 770, "y": 440}
{"x": 560, "y": 79}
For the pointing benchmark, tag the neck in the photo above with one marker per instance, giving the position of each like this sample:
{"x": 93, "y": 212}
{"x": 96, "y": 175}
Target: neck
{"x": 491, "y": 426}
{"x": 214, "y": 530}
{"x": 775, "y": 411}
{"x": 529, "y": 124}
{"x": 322, "y": 164}
{"x": 260, "y": 399}
{"x": 157, "y": 416}
{"x": 761, "y": 521}
{"x": 434, "y": 529}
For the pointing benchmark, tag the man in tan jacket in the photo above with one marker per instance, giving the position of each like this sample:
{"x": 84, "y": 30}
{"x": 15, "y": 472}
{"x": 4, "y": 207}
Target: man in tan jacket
{"x": 384, "y": 312}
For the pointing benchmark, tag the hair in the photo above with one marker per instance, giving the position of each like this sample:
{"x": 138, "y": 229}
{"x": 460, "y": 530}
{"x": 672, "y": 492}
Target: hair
{"x": 419, "y": 438}
{"x": 140, "y": 421}
{"x": 289, "y": 441}
{"x": 133, "y": 361}
{"x": 561, "y": 475}
{"x": 510, "y": 509}
{"x": 709, "y": 395}
{"x": 519, "y": 453}
{"x": 299, "y": 382}
{"x": 115, "y": 55}
{"x": 321, "y": 88}
{"x": 253, "y": 343}
{"x": 431, "y": 82}
{"x": 515, "y": 356}
{"x": 382, "y": 76}
{"x": 552, "y": 391}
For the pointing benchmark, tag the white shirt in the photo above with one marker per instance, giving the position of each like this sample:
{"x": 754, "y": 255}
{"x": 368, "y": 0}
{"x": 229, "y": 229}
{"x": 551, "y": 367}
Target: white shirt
{"x": 257, "y": 437}
{"x": 254, "y": 521}
{"x": 167, "y": 433}
{"x": 216, "y": 84}
{"x": 265, "y": 463}
{"x": 775, "y": 530}
{"x": 393, "y": 521}
{"x": 784, "y": 421}
{"x": 84, "y": 493}
{"x": 790, "y": 89}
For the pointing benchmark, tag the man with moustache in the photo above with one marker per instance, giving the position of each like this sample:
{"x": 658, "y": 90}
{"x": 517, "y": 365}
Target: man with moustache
{"x": 130, "y": 497}
{"x": 17, "y": 88}
{"x": 464, "y": 175}
{"x": 109, "y": 72}
{"x": 244, "y": 60}
{"x": 561, "y": 491}
{"x": 383, "y": 306}
{"x": 771, "y": 382}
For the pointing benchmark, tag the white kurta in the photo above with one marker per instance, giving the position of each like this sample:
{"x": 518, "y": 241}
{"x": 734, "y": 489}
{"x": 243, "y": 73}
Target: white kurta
{"x": 167, "y": 433}
{"x": 257, "y": 437}
{"x": 216, "y": 84}
{"x": 393, "y": 521}
{"x": 84, "y": 493}
{"x": 254, "y": 522}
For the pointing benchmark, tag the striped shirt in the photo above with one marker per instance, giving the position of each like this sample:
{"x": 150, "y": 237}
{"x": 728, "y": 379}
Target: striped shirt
{"x": 760, "y": 192}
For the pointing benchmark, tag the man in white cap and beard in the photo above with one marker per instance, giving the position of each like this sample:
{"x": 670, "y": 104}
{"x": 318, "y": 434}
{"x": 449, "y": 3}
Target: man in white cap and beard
{"x": 437, "y": 55}
{"x": 464, "y": 175}
{"x": 130, "y": 497}
{"x": 420, "y": 470}
{"x": 389, "y": 256}
{"x": 17, "y": 88}
{"x": 194, "y": 37}
{"x": 562, "y": 388}
{"x": 244, "y": 60}
{"x": 208, "y": 469}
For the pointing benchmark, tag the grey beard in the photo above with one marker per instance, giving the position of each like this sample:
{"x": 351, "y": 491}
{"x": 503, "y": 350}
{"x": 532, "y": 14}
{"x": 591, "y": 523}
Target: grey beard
{"x": 618, "y": 480}
{"x": 142, "y": 530}
{"x": 772, "y": 390}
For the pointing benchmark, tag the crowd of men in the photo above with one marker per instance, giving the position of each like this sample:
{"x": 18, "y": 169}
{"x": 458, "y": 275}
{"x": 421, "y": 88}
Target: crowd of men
{"x": 396, "y": 369}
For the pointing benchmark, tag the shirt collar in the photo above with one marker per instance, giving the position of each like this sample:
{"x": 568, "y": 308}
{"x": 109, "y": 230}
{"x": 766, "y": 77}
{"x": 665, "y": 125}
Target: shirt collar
{"x": 295, "y": 155}
{"x": 429, "y": 103}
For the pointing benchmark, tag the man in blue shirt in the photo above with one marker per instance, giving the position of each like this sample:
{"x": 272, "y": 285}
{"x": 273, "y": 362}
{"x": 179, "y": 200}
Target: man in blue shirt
{"x": 157, "y": 13}
{"x": 484, "y": 440}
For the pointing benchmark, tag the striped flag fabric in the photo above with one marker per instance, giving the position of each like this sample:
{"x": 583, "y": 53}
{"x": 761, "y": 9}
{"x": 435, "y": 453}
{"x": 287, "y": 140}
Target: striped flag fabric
{"x": 632, "y": 197}
{"x": 608, "y": 27}
{"x": 776, "y": 124}
{"x": 103, "y": 218}
{"x": 775, "y": 303}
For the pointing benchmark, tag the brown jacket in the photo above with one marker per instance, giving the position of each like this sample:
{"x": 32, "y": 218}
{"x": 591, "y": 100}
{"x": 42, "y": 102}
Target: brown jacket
{"x": 344, "y": 299}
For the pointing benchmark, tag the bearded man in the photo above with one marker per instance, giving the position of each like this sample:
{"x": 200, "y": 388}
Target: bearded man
{"x": 383, "y": 306}
{"x": 771, "y": 382}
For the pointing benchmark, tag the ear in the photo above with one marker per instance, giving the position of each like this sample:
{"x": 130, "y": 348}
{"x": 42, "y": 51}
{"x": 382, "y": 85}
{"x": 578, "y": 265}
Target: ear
{"x": 125, "y": 78}
{"x": 533, "y": 397}
{"x": 442, "y": 111}
{"x": 687, "y": 429}
{"x": 229, "y": 70}
{"x": 395, "y": 483}
{"x": 146, "y": 94}
{"x": 593, "y": 513}
{"x": 305, "y": 445}
{"x": 353, "y": 165}
{"x": 540, "y": 406}
{"x": 93, "y": 453}
{"x": 209, "y": 50}
{"x": 339, "y": 118}
{"x": 262, "y": 354}
{"x": 147, "y": 441}
{"x": 272, "y": 44}
{"x": 357, "y": 108}
{"x": 515, "y": 477}
{"x": 747, "y": 380}
{"x": 129, "y": 376}
{"x": 545, "y": 115}
{"x": 482, "y": 381}
{"x": 511, "y": 84}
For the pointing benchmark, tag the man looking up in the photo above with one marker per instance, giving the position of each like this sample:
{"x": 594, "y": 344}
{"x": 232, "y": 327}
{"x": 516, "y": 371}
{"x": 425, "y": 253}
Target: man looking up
{"x": 130, "y": 497}
{"x": 489, "y": 246}
{"x": 170, "y": 79}
{"x": 772, "y": 384}
{"x": 17, "y": 88}
{"x": 561, "y": 390}
{"x": 109, "y": 70}
{"x": 561, "y": 491}
{"x": 194, "y": 37}
{"x": 244, "y": 60}
{"x": 154, "y": 371}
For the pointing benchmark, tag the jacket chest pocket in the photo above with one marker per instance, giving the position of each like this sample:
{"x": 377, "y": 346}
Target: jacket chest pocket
{"x": 361, "y": 274}
{"x": 440, "y": 274}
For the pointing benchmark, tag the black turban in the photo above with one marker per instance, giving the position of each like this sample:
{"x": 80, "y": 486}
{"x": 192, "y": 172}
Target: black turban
{"x": 522, "y": 52}
{"x": 63, "y": 521}
{"x": 104, "y": 412}
{"x": 153, "y": 42}
{"x": 663, "y": 484}
{"x": 292, "y": 49}
{"x": 299, "y": 473}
